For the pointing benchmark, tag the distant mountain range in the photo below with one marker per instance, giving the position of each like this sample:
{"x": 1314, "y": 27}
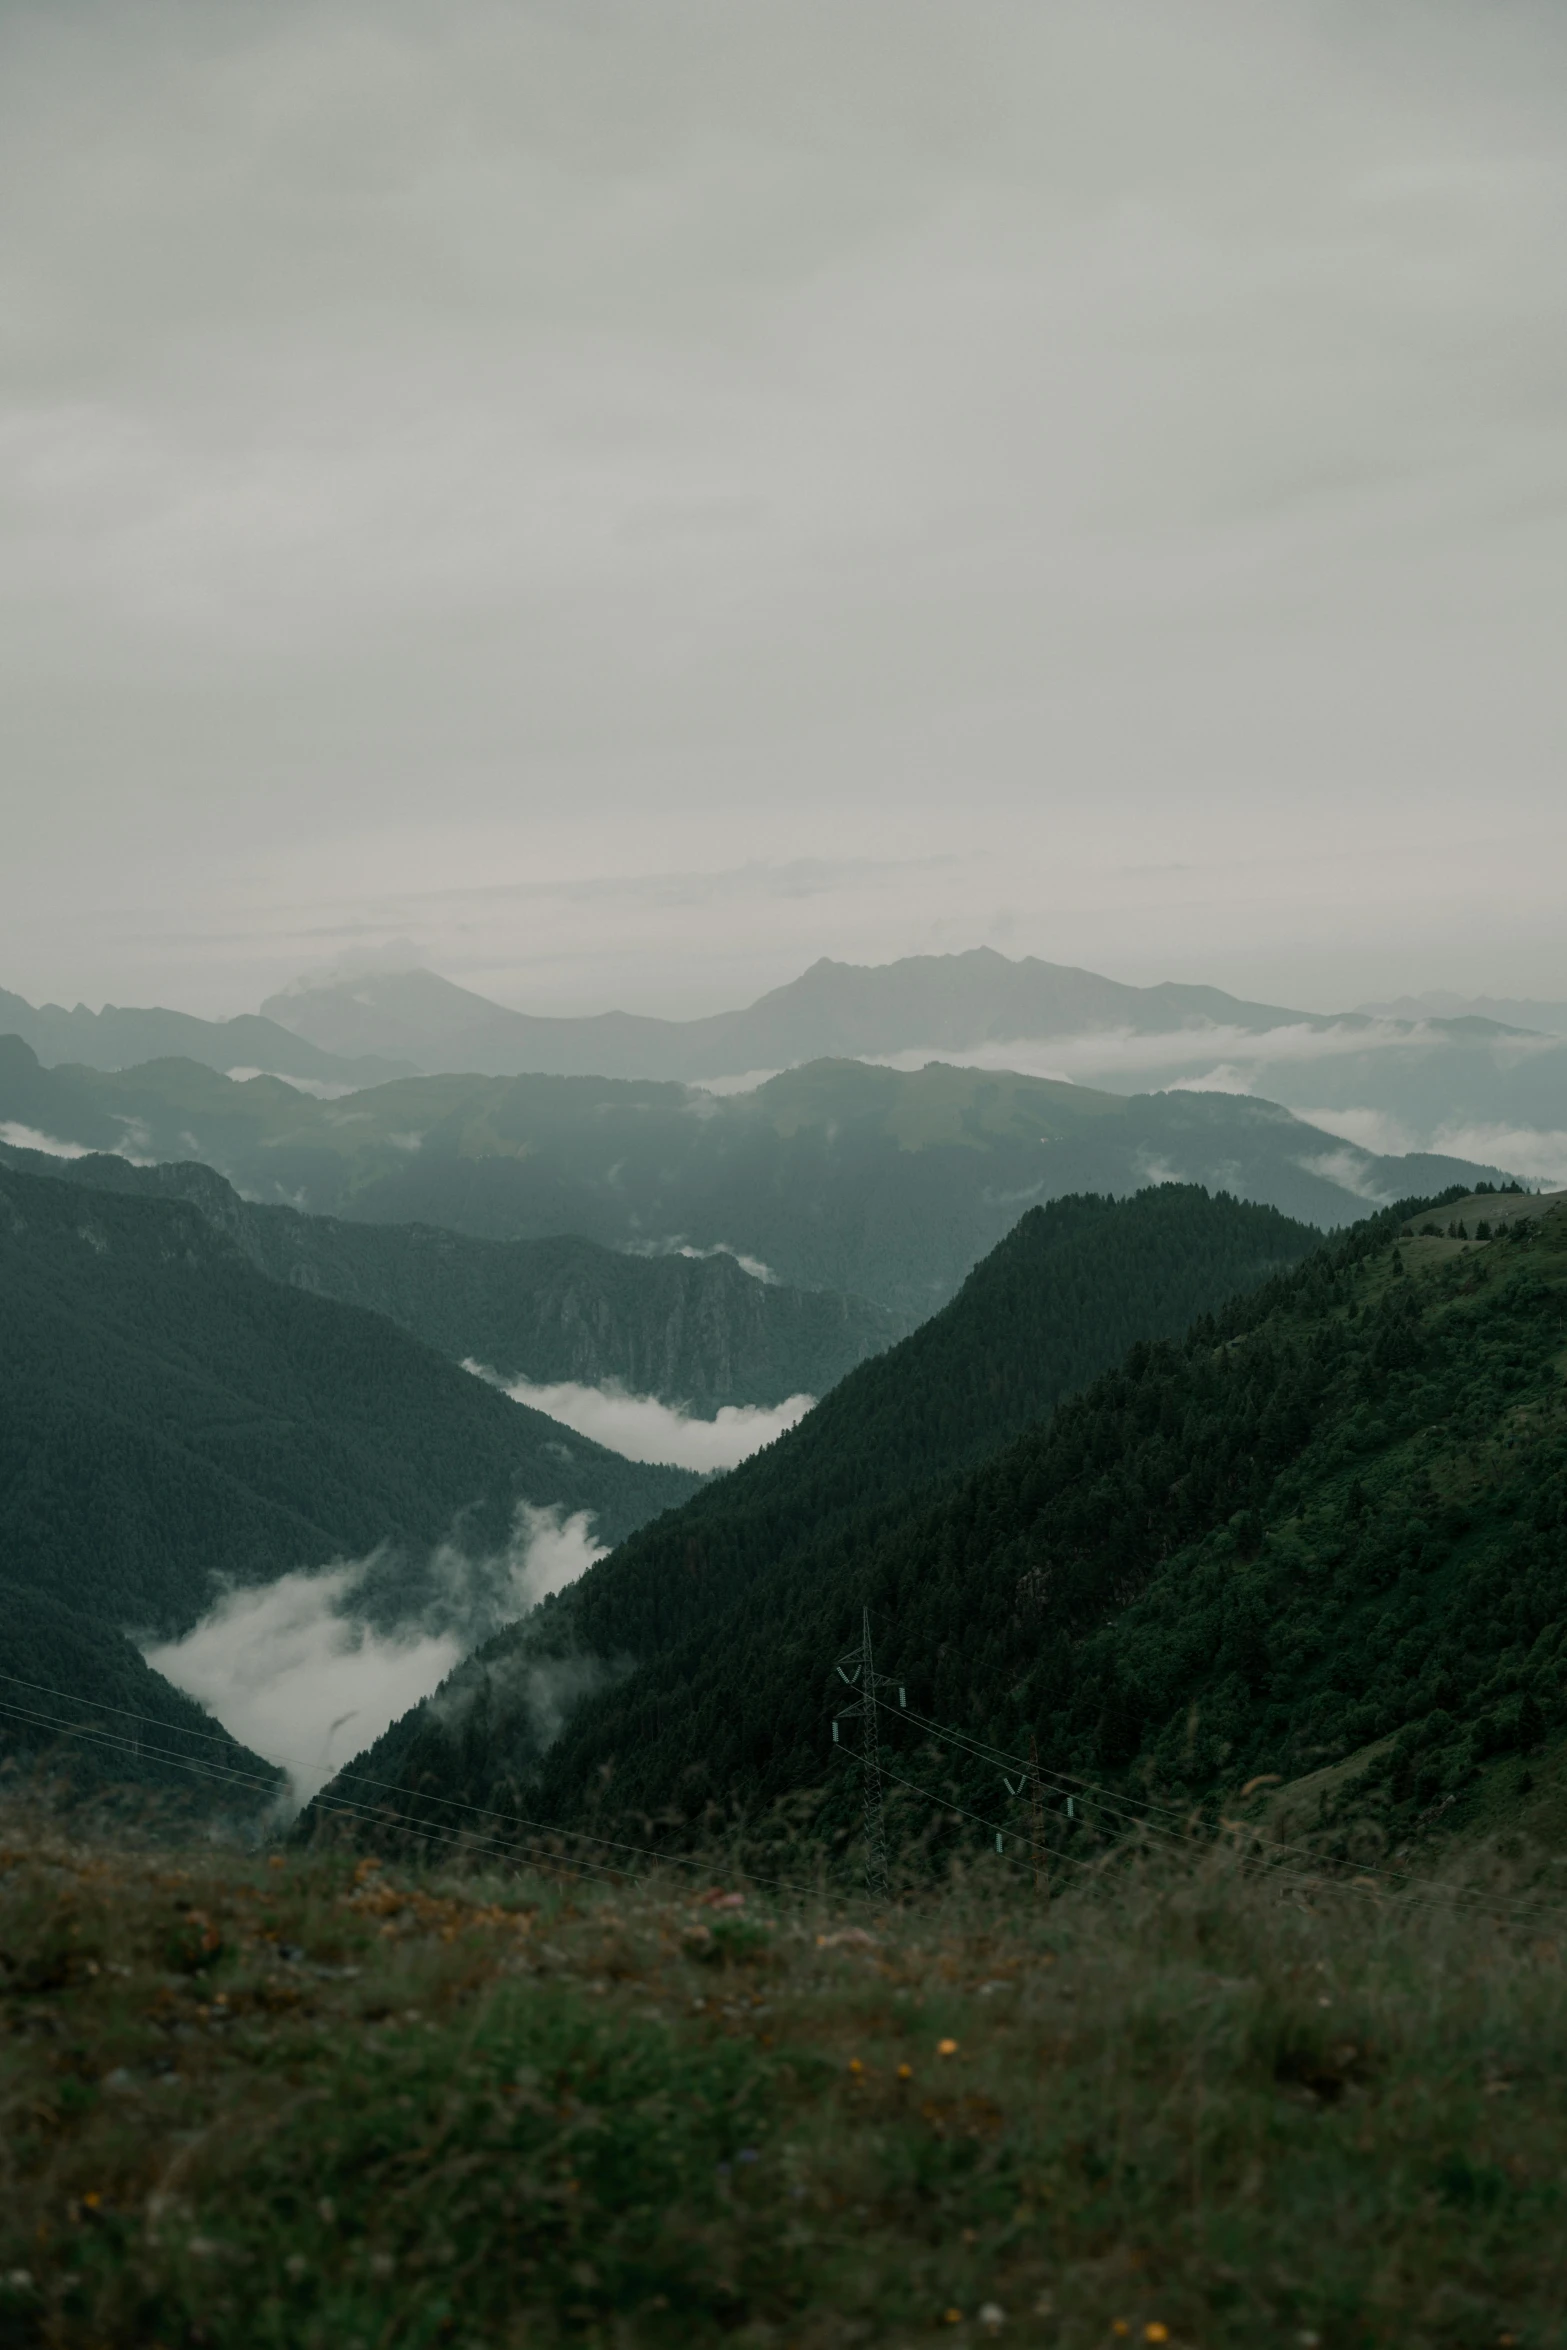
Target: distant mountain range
{"x": 1511, "y": 1011}
{"x": 119, "y": 1038}
{"x": 1477, "y": 1079}
{"x": 834, "y": 1010}
{"x": 360, "y": 1030}
{"x": 837, "y": 1175}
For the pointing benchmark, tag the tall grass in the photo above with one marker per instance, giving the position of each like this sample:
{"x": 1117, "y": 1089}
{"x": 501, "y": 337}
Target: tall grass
{"x": 308, "y": 2101}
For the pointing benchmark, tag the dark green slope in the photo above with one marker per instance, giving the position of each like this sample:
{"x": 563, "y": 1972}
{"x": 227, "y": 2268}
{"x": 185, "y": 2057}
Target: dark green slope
{"x": 1062, "y": 1296}
{"x": 1333, "y": 1521}
{"x": 692, "y": 1330}
{"x": 169, "y": 1416}
{"x": 80, "y": 1706}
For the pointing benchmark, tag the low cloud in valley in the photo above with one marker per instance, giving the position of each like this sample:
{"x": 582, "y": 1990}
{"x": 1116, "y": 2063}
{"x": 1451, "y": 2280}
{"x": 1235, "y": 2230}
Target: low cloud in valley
{"x": 28, "y": 1138}
{"x": 310, "y": 1669}
{"x": 646, "y": 1430}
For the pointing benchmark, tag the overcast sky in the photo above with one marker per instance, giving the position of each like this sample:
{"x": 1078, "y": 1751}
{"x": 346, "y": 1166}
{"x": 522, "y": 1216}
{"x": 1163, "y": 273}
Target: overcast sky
{"x": 631, "y": 495}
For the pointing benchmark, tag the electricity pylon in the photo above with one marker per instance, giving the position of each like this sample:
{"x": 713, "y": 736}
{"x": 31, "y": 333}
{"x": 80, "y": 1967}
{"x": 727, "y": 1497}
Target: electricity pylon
{"x": 858, "y": 1668}
{"x": 1036, "y": 1815}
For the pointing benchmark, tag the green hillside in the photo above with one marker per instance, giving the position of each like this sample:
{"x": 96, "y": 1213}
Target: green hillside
{"x": 1329, "y": 1524}
{"x": 269, "y": 2101}
{"x": 1063, "y": 1296}
{"x": 693, "y": 1330}
{"x": 81, "y": 1708}
{"x": 873, "y": 1182}
{"x": 170, "y": 1418}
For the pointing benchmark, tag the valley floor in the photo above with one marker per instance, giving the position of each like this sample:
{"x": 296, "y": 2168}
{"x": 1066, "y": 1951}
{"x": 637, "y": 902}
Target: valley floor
{"x": 306, "y": 2099}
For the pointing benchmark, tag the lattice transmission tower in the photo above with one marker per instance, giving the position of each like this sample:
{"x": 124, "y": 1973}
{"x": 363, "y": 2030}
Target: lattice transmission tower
{"x": 858, "y": 1668}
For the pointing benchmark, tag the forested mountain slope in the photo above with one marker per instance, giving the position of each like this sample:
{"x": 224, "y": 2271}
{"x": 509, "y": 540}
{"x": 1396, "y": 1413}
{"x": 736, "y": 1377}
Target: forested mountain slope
{"x": 1332, "y": 1520}
{"x": 169, "y": 1417}
{"x": 875, "y": 1182}
{"x": 1061, "y": 1297}
{"x": 80, "y": 1706}
{"x": 692, "y": 1330}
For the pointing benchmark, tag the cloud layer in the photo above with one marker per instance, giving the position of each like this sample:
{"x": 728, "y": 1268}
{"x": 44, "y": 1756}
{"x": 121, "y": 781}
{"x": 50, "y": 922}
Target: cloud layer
{"x": 29, "y": 1138}
{"x": 297, "y": 1679}
{"x": 632, "y": 498}
{"x": 1426, "y": 1093}
{"x": 1537, "y": 1155}
{"x": 299, "y": 1672}
{"x": 646, "y": 1430}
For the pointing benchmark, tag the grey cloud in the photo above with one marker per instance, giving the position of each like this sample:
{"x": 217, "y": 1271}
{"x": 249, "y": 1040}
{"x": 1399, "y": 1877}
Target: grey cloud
{"x": 311, "y": 1668}
{"x": 434, "y": 443}
{"x": 643, "y": 1429}
{"x": 30, "y": 1138}
{"x": 1538, "y": 1154}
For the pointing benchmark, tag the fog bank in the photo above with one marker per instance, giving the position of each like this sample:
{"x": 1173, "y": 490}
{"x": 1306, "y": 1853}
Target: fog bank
{"x": 643, "y": 1429}
{"x": 308, "y": 1670}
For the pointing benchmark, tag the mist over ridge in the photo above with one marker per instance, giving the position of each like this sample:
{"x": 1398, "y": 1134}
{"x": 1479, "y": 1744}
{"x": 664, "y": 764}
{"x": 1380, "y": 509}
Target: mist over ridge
{"x": 847, "y": 1180}
{"x": 1435, "y": 1074}
{"x": 310, "y": 1668}
{"x": 1443, "y": 1076}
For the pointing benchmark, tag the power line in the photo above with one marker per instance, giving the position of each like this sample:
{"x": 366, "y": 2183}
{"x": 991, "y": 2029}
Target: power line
{"x": 1074, "y": 1860}
{"x": 1436, "y": 1898}
{"x": 858, "y": 1669}
{"x": 341, "y": 1804}
{"x": 464, "y": 1840}
{"x": 1427, "y": 1891}
{"x": 223, "y": 1738}
{"x": 1036, "y": 1809}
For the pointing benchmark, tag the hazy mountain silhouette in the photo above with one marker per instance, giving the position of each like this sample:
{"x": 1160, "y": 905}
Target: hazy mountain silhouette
{"x": 1548, "y": 1019}
{"x": 1466, "y": 1080}
{"x": 833, "y": 1009}
{"x": 119, "y": 1037}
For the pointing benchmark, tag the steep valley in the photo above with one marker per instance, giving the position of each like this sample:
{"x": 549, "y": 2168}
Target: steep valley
{"x": 1329, "y": 1521}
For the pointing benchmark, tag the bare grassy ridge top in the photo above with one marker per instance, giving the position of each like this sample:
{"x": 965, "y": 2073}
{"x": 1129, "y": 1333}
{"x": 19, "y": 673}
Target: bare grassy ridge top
{"x": 313, "y": 2101}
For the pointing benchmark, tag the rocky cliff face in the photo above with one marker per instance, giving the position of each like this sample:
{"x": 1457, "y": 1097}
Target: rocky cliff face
{"x": 699, "y": 1331}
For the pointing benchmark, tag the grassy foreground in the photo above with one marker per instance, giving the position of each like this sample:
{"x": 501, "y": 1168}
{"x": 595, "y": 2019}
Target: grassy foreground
{"x": 308, "y": 2100}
